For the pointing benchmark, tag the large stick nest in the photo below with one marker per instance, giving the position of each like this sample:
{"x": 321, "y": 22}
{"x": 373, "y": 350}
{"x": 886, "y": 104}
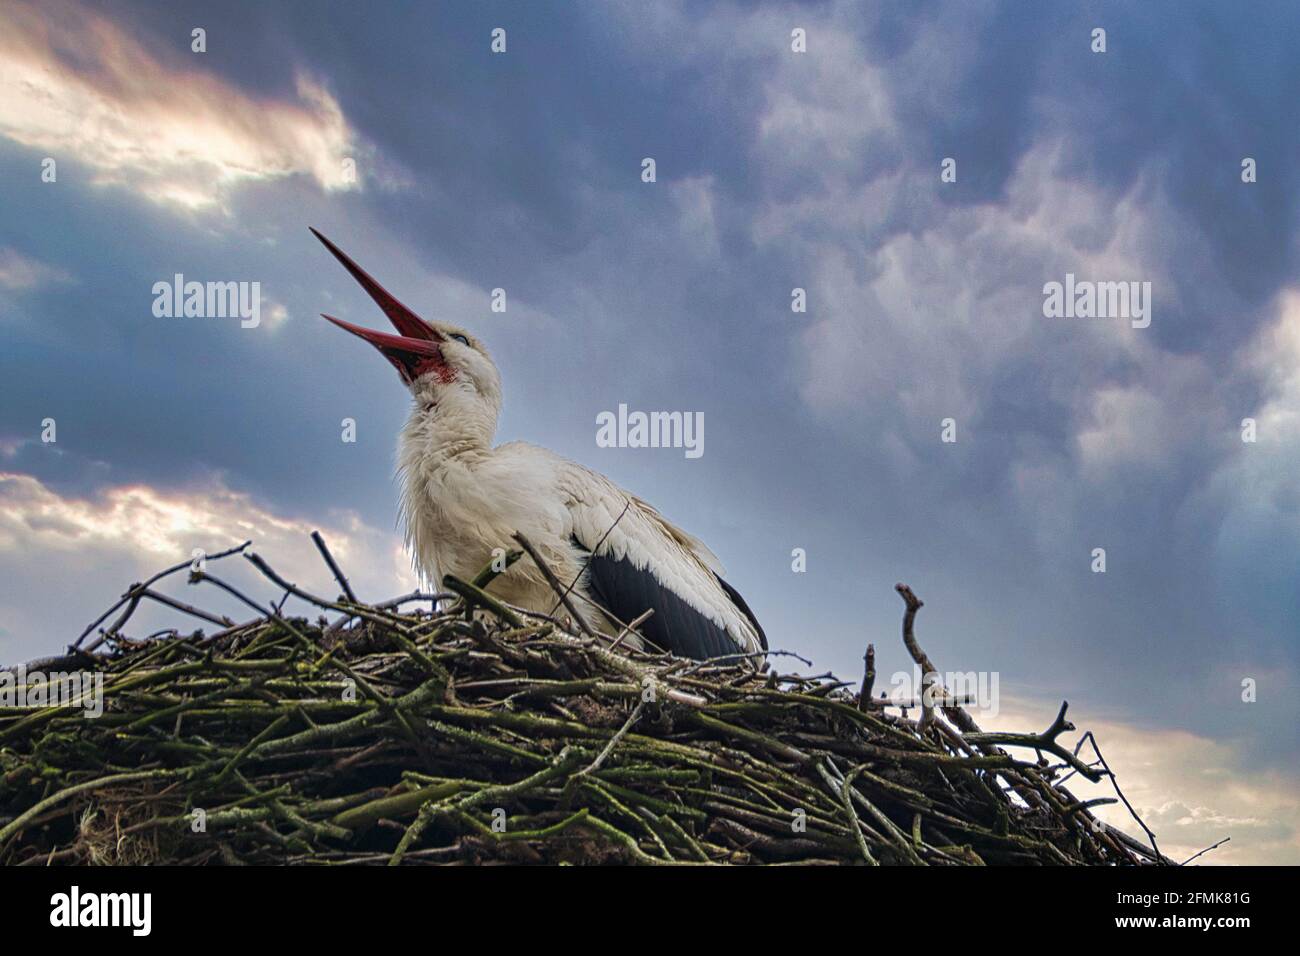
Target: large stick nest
{"x": 479, "y": 734}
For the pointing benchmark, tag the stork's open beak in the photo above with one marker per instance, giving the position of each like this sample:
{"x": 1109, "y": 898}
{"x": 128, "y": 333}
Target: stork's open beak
{"x": 411, "y": 357}
{"x": 415, "y": 350}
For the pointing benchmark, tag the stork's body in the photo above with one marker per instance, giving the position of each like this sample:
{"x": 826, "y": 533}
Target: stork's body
{"x": 462, "y": 498}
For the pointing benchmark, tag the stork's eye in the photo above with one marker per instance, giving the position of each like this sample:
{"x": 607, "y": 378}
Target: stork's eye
{"x": 459, "y": 338}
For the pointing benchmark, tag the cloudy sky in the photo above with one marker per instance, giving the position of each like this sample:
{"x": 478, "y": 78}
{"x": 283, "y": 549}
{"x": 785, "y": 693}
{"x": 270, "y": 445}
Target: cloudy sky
{"x": 775, "y": 170}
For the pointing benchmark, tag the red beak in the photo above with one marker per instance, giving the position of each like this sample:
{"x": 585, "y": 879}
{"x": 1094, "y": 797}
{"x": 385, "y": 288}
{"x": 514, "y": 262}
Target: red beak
{"x": 415, "y": 350}
{"x": 411, "y": 357}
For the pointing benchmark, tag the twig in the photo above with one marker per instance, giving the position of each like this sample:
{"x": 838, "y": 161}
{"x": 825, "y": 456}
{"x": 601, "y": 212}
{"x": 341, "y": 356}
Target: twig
{"x": 631, "y": 626}
{"x": 1213, "y": 846}
{"x": 333, "y": 566}
{"x": 868, "y": 677}
{"x": 1120, "y": 793}
{"x": 577, "y": 577}
{"x": 554, "y": 582}
{"x": 928, "y": 673}
{"x": 1043, "y": 741}
{"x": 135, "y": 589}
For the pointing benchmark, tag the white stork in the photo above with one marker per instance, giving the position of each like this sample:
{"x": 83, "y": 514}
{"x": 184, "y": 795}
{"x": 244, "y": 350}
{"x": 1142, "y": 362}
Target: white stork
{"x": 462, "y": 498}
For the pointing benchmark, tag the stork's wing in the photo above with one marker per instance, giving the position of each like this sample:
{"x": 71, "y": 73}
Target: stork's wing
{"x": 637, "y": 560}
{"x": 743, "y": 606}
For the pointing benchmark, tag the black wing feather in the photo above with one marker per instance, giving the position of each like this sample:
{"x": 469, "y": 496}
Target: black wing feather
{"x": 627, "y": 591}
{"x": 739, "y": 601}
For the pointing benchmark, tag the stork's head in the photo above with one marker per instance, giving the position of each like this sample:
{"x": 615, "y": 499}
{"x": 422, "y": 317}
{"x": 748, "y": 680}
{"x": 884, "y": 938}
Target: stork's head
{"x": 444, "y": 366}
